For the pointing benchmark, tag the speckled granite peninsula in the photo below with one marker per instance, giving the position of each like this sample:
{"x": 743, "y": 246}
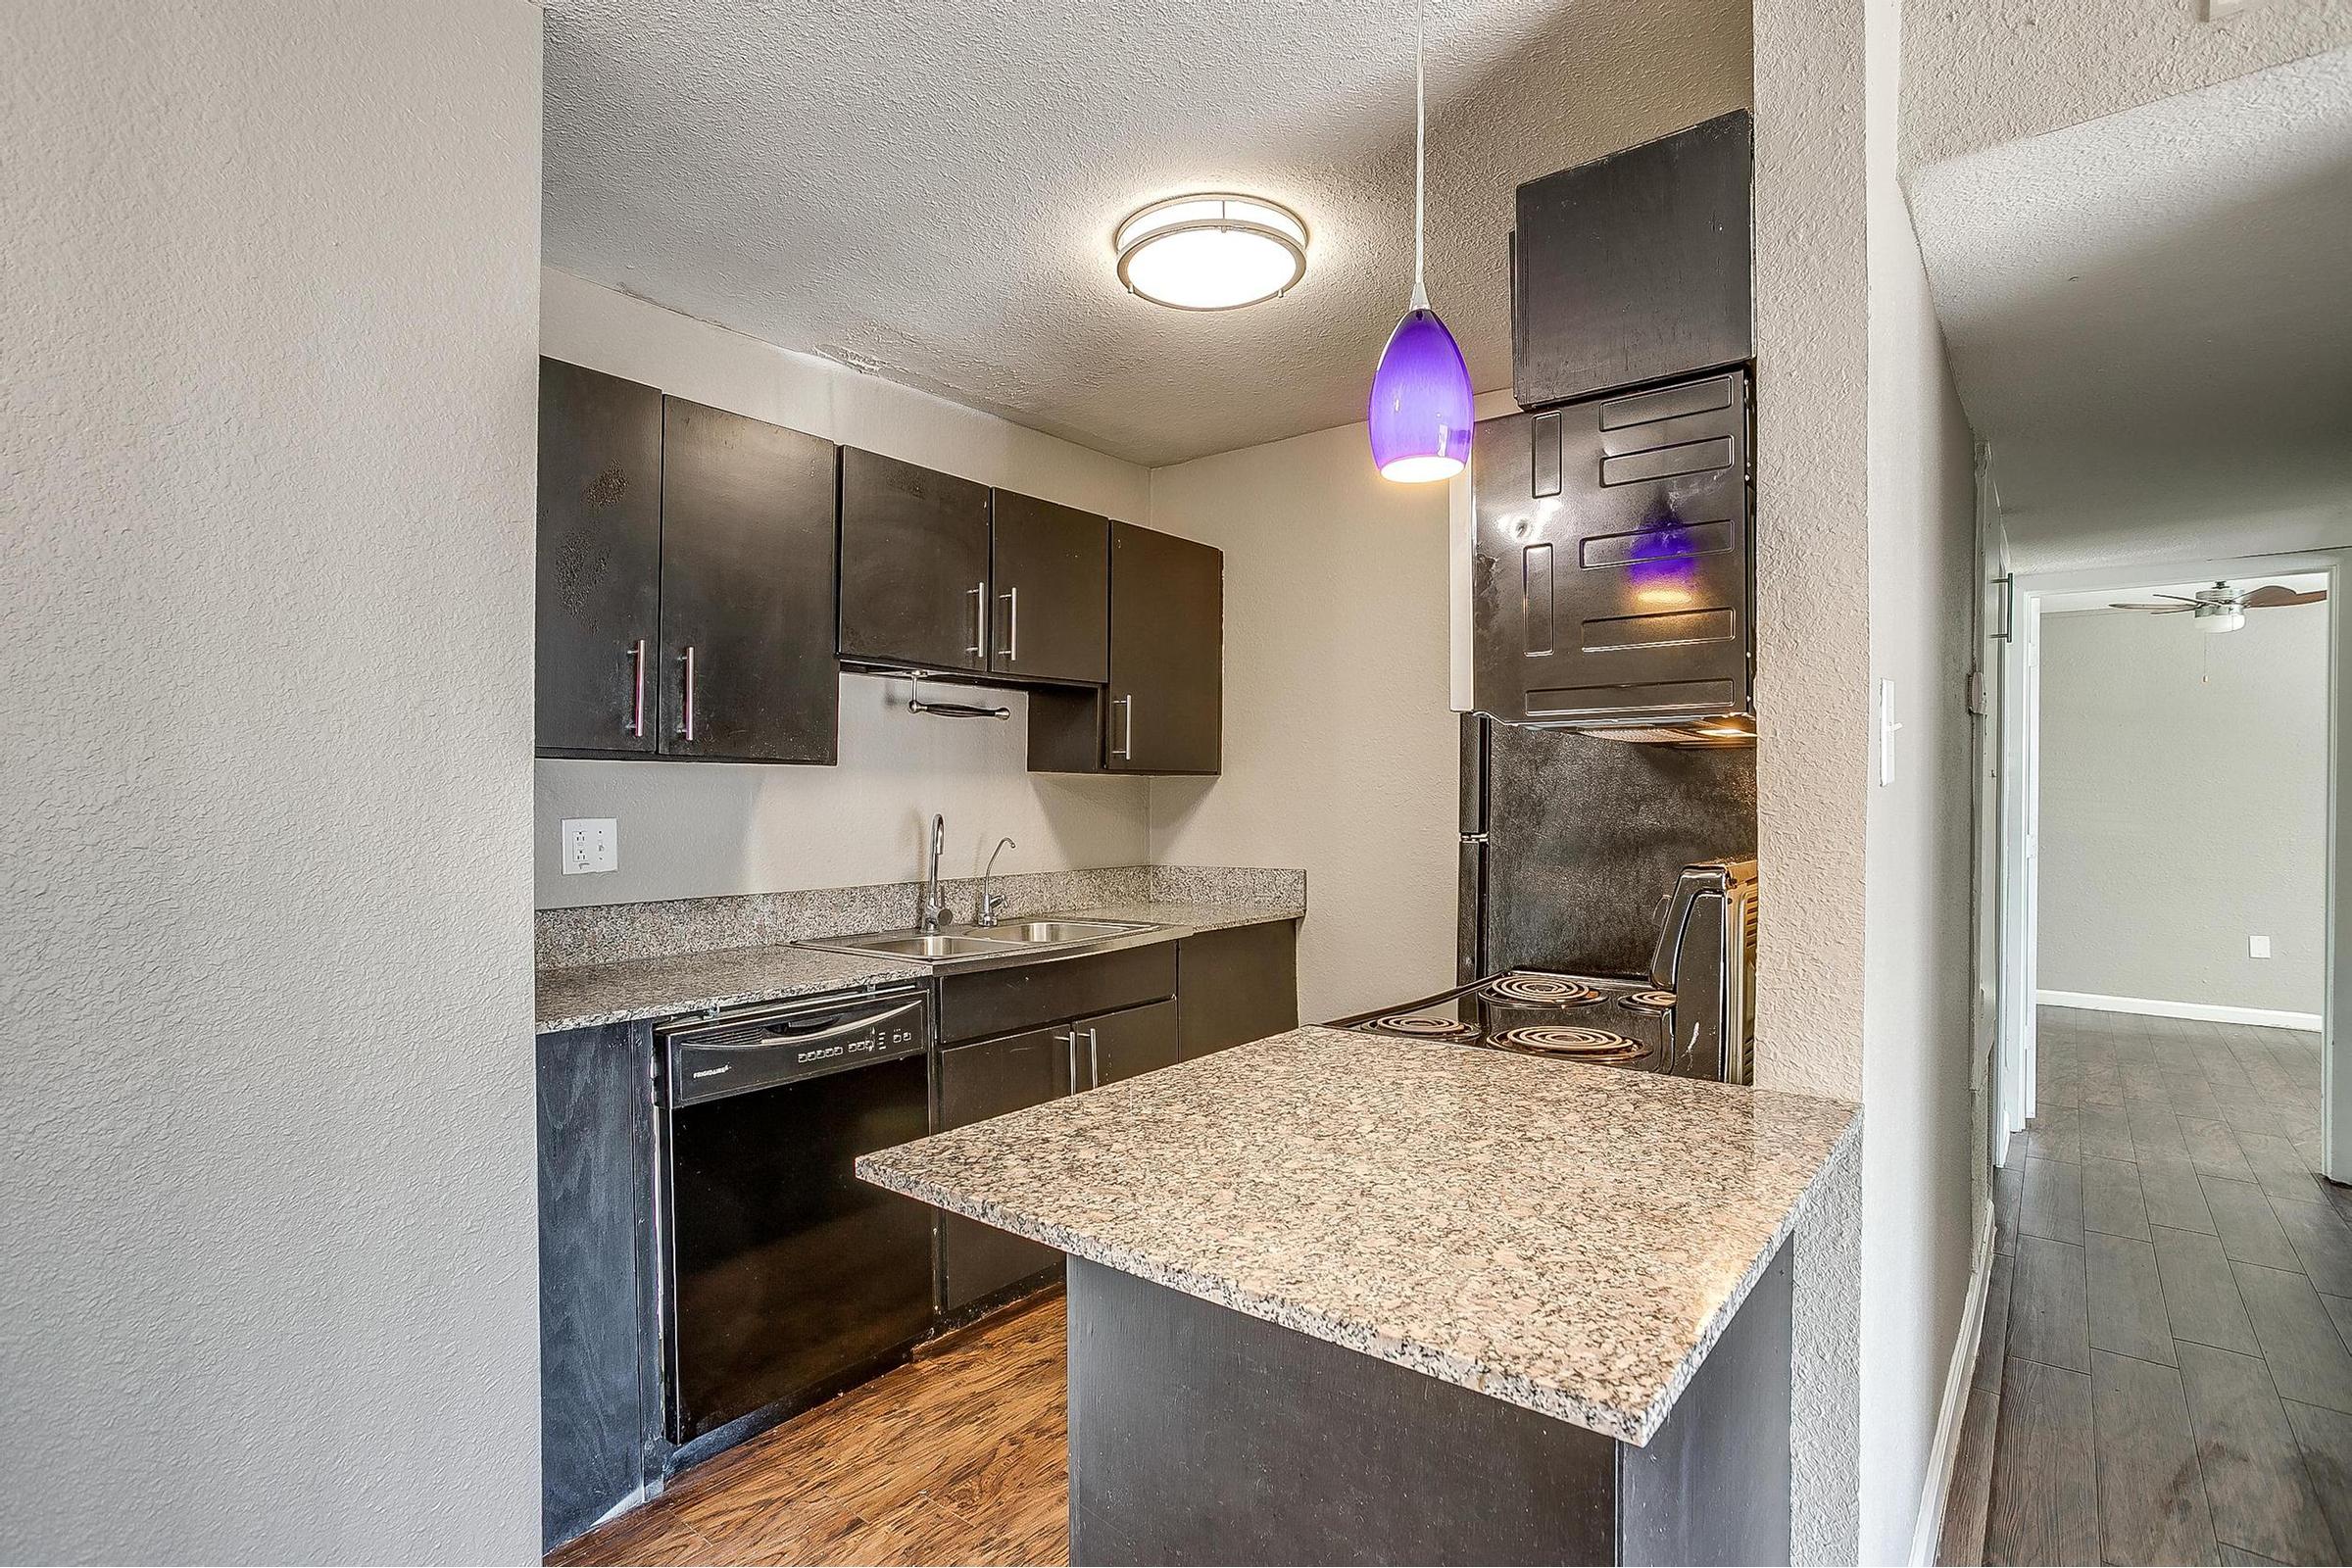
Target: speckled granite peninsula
{"x": 1565, "y": 1238}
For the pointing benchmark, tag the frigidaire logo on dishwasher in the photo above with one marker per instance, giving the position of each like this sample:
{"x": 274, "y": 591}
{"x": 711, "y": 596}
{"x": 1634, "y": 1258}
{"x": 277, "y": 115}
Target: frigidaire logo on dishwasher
{"x": 711, "y": 1072}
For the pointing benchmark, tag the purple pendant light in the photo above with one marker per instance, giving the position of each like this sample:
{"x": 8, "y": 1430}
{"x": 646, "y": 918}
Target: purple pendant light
{"x": 1420, "y": 413}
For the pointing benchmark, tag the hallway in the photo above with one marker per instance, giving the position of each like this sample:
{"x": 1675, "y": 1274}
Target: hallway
{"x": 2166, "y": 1368}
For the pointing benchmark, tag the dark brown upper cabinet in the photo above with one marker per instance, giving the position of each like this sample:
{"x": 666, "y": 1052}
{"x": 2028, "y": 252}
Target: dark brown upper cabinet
{"x": 1166, "y": 704}
{"x": 686, "y": 579}
{"x": 1635, "y": 268}
{"x": 1162, "y": 711}
{"x": 914, "y": 585}
{"x": 747, "y": 590}
{"x": 600, "y": 562}
{"x": 1051, "y": 575}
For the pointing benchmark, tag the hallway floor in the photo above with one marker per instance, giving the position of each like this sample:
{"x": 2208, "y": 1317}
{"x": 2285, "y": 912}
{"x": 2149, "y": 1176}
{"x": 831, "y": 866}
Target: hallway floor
{"x": 2166, "y": 1369}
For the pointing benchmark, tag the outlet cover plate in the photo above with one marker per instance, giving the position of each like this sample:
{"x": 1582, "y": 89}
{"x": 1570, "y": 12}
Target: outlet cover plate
{"x": 590, "y": 844}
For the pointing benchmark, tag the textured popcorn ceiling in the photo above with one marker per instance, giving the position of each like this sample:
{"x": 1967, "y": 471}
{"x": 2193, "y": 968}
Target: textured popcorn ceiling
{"x": 929, "y": 191}
{"x": 1980, "y": 72}
{"x": 2147, "y": 314}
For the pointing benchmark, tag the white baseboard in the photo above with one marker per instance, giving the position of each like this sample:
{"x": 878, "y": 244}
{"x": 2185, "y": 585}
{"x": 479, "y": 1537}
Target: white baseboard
{"x": 1956, "y": 1379}
{"x": 2209, "y": 1012}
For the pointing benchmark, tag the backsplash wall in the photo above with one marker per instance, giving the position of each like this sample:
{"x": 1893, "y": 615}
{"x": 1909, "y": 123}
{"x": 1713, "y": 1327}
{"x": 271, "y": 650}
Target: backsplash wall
{"x": 692, "y": 830}
{"x": 702, "y": 829}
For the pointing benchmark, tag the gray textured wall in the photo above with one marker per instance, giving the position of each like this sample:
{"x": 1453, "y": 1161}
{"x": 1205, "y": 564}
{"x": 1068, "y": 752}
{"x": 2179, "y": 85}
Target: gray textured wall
{"x": 2183, "y": 808}
{"x": 264, "y": 840}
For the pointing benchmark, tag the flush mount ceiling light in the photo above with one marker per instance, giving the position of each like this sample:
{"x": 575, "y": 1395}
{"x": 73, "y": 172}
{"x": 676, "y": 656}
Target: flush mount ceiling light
{"x": 1211, "y": 252}
{"x": 1420, "y": 405}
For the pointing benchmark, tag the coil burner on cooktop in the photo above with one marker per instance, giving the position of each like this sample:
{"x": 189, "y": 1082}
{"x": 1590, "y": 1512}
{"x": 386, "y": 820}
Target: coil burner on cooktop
{"x": 1562, "y": 1039}
{"x": 1421, "y": 1026}
{"x": 1521, "y": 989}
{"x": 1600, "y": 1020}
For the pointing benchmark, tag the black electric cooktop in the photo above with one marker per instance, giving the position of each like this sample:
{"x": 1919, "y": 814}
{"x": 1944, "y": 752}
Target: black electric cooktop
{"x": 1607, "y": 1021}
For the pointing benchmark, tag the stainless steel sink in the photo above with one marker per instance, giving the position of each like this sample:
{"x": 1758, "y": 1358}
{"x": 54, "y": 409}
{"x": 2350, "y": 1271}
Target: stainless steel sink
{"x": 921, "y": 946}
{"x": 1065, "y": 930}
{"x": 966, "y": 945}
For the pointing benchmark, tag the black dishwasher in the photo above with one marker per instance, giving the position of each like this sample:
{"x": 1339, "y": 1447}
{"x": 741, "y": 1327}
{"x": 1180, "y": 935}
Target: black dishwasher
{"x": 784, "y": 1277}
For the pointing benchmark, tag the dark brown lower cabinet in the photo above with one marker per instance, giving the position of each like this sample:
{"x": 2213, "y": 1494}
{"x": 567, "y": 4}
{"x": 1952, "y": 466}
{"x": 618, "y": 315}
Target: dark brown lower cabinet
{"x": 991, "y": 1078}
{"x": 979, "y": 1263}
{"x": 595, "y": 1262}
{"x": 1125, "y": 1045}
{"x": 1237, "y": 985}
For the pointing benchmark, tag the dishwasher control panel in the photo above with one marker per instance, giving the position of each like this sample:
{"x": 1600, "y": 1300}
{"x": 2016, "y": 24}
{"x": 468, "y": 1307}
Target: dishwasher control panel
{"x": 760, "y": 1047}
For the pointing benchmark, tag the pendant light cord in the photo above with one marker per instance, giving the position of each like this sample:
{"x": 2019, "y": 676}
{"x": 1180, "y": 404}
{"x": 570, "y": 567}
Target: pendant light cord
{"x": 1420, "y": 142}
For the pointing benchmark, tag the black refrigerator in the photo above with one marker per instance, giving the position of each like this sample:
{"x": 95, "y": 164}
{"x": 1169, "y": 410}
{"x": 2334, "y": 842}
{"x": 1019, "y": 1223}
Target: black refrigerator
{"x": 1571, "y": 843}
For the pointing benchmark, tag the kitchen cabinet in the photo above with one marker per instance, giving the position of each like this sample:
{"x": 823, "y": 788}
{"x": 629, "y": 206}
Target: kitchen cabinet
{"x": 1162, "y": 711}
{"x": 997, "y": 1002}
{"x": 914, "y": 583}
{"x": 747, "y": 590}
{"x": 687, "y": 571}
{"x": 599, "y": 1397}
{"x": 1235, "y": 985}
{"x": 1635, "y": 268}
{"x": 1050, "y": 573}
{"x": 600, "y": 558}
{"x": 1126, "y": 1045}
{"x": 976, "y": 1082}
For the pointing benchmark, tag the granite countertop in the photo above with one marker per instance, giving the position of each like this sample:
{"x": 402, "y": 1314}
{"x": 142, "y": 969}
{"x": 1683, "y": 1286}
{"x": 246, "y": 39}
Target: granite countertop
{"x": 588, "y": 994}
{"x": 1567, "y": 1237}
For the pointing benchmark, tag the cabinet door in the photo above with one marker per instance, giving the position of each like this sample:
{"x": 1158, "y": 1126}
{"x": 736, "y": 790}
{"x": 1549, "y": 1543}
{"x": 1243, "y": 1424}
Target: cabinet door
{"x": 914, "y": 565}
{"x": 599, "y": 560}
{"x": 747, "y": 590}
{"x": 976, "y": 1082}
{"x": 1050, "y": 576}
{"x": 1237, "y": 985}
{"x": 1635, "y": 268}
{"x": 593, "y": 1218}
{"x": 1165, "y": 709}
{"x": 1123, "y": 1045}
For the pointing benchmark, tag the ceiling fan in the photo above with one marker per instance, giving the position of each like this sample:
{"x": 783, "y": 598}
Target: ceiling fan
{"x": 2222, "y": 608}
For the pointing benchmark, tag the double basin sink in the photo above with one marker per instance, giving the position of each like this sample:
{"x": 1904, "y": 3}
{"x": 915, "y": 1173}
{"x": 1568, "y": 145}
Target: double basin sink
{"x": 978, "y": 947}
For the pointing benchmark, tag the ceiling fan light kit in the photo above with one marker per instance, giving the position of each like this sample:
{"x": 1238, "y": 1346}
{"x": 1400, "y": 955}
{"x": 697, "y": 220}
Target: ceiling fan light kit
{"x": 1213, "y": 251}
{"x": 1420, "y": 408}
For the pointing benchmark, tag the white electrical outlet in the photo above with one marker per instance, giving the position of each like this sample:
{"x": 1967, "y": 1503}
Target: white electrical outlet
{"x": 2258, "y": 947}
{"x": 590, "y": 844}
{"x": 2224, "y": 9}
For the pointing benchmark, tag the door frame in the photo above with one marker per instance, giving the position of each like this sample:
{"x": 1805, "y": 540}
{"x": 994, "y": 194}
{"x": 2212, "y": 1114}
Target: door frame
{"x": 2019, "y": 761}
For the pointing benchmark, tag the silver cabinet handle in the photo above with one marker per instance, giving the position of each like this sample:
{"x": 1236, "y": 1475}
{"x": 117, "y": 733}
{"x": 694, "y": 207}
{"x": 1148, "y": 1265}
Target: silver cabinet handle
{"x": 1012, "y": 623}
{"x": 686, "y": 720}
{"x": 1093, "y": 1059}
{"x": 1070, "y": 1040}
{"x": 636, "y": 724}
{"x": 978, "y": 647}
{"x": 1125, "y": 750}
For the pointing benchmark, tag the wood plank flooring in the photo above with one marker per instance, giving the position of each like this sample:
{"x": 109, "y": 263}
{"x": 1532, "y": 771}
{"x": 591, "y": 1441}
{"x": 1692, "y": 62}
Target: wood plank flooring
{"x": 960, "y": 1458}
{"x": 2166, "y": 1369}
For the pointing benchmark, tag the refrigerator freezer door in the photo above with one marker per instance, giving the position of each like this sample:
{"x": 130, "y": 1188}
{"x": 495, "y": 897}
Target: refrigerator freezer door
{"x": 1614, "y": 578}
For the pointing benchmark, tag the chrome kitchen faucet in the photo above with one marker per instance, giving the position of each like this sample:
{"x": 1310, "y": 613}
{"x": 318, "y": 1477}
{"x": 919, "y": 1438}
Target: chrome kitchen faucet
{"x": 990, "y": 901}
{"x": 935, "y": 907}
